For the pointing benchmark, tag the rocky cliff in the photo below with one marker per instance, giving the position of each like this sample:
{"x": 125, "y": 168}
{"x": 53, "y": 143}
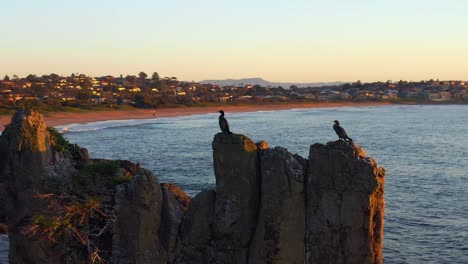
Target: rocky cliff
{"x": 269, "y": 206}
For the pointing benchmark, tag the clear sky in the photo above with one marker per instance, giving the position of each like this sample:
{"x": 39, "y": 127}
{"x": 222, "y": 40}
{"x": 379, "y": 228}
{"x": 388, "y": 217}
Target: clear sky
{"x": 289, "y": 41}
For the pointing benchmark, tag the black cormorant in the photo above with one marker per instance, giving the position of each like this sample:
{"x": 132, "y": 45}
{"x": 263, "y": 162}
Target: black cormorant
{"x": 340, "y": 131}
{"x": 223, "y": 123}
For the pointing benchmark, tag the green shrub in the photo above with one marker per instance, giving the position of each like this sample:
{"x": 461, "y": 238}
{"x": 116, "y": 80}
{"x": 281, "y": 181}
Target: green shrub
{"x": 58, "y": 142}
{"x": 97, "y": 178}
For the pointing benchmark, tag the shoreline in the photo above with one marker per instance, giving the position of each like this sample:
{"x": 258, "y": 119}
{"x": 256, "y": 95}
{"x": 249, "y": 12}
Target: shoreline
{"x": 66, "y": 118}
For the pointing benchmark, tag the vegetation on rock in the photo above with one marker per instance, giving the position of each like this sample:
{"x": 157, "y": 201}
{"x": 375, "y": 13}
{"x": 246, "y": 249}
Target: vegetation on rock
{"x": 75, "y": 226}
{"x": 80, "y": 211}
{"x": 58, "y": 142}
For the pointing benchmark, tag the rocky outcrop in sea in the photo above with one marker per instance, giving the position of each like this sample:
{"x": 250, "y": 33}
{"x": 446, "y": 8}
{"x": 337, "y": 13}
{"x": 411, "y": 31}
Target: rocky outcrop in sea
{"x": 269, "y": 205}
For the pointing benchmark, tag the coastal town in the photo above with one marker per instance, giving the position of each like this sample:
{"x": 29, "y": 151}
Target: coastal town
{"x": 143, "y": 91}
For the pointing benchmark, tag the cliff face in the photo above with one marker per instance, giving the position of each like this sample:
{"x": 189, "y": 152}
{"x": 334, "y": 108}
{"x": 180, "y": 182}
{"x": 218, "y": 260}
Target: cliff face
{"x": 62, "y": 207}
{"x": 279, "y": 236}
{"x": 344, "y": 204}
{"x": 237, "y": 196}
{"x": 137, "y": 212}
{"x": 327, "y": 209}
{"x": 269, "y": 206}
{"x": 26, "y": 155}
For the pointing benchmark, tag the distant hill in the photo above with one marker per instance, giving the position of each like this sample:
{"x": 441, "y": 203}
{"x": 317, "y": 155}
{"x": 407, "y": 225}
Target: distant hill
{"x": 265, "y": 83}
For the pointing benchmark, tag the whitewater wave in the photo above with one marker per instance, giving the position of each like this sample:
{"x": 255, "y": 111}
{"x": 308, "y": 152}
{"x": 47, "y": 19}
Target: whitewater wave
{"x": 99, "y": 125}
{"x": 94, "y": 126}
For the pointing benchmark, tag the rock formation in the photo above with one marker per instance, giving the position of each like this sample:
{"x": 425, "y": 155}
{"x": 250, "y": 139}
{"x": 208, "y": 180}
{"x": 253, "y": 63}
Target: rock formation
{"x": 26, "y": 155}
{"x": 279, "y": 236}
{"x": 269, "y": 206}
{"x": 195, "y": 239}
{"x": 237, "y": 196}
{"x": 344, "y": 204}
{"x": 137, "y": 221}
{"x": 37, "y": 164}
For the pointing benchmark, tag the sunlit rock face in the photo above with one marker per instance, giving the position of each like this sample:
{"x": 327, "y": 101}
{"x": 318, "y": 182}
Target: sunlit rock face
{"x": 344, "y": 205}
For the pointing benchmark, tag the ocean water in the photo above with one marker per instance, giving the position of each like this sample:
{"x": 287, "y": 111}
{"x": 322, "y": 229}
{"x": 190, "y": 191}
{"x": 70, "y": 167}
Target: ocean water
{"x": 424, "y": 150}
{"x": 3, "y": 249}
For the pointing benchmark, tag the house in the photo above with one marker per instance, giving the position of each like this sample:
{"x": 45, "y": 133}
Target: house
{"x": 439, "y": 96}
{"x": 67, "y": 98}
{"x": 96, "y": 99}
{"x": 135, "y": 89}
{"x": 244, "y": 97}
{"x": 323, "y": 96}
{"x": 225, "y": 98}
{"x": 20, "y": 96}
{"x": 364, "y": 95}
{"x": 345, "y": 96}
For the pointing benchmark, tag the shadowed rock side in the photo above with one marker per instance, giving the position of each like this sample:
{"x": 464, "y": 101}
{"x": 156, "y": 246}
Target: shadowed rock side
{"x": 26, "y": 155}
{"x": 3, "y": 185}
{"x": 344, "y": 204}
{"x": 279, "y": 236}
{"x": 237, "y": 196}
{"x": 138, "y": 219}
{"x": 35, "y": 161}
{"x": 171, "y": 216}
{"x": 269, "y": 206}
{"x": 195, "y": 240}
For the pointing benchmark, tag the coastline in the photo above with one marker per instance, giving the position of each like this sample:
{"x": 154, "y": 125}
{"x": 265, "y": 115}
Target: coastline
{"x": 65, "y": 118}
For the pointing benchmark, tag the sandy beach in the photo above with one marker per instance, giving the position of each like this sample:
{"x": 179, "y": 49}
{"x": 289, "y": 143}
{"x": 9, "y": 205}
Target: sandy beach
{"x": 64, "y": 118}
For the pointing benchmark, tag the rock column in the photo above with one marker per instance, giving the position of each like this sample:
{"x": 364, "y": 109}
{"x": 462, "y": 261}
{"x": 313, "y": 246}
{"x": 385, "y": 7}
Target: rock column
{"x": 26, "y": 156}
{"x": 344, "y": 205}
{"x": 137, "y": 212}
{"x": 279, "y": 237}
{"x": 237, "y": 197}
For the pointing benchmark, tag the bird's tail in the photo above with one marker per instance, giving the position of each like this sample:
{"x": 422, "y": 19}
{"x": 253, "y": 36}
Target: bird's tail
{"x": 350, "y": 139}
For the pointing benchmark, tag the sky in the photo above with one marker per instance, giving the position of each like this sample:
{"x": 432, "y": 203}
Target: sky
{"x": 281, "y": 41}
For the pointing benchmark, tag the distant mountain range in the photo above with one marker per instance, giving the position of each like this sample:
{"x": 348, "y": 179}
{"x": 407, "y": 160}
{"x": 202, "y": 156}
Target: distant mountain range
{"x": 265, "y": 83}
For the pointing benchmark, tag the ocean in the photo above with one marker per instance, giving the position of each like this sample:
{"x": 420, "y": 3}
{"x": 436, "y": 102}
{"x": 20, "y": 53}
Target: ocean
{"x": 424, "y": 149}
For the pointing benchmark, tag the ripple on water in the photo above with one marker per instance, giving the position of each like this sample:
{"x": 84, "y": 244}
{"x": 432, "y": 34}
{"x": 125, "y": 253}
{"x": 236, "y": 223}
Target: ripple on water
{"x": 3, "y": 249}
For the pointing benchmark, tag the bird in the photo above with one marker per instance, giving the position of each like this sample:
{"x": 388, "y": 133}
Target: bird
{"x": 340, "y": 131}
{"x": 223, "y": 123}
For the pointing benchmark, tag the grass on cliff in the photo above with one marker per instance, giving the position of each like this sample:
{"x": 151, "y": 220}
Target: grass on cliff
{"x": 58, "y": 142}
{"x": 74, "y": 227}
{"x": 97, "y": 178}
{"x": 79, "y": 217}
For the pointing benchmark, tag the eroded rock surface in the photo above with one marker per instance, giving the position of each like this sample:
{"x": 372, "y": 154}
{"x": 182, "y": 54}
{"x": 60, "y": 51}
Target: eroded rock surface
{"x": 344, "y": 205}
{"x": 279, "y": 236}
{"x": 172, "y": 215}
{"x": 237, "y": 196}
{"x": 137, "y": 209}
{"x": 195, "y": 240}
{"x": 26, "y": 157}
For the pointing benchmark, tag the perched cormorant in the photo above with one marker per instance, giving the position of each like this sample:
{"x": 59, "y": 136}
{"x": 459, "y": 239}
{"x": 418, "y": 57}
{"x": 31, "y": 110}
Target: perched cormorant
{"x": 223, "y": 123}
{"x": 340, "y": 131}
